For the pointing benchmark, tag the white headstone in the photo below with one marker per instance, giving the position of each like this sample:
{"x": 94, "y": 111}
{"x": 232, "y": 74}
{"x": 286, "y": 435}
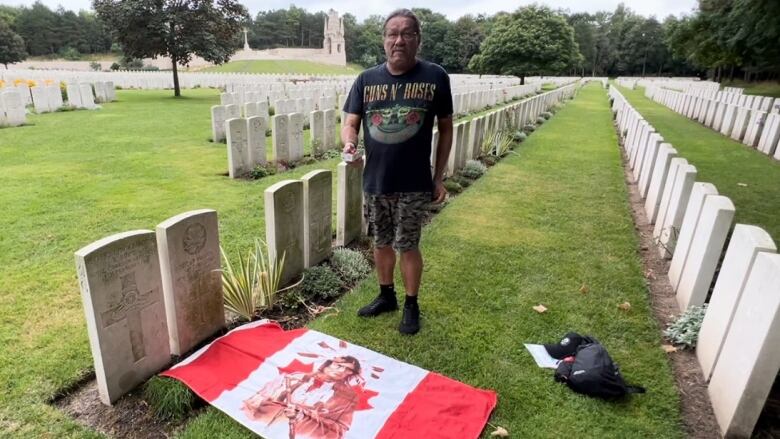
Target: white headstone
{"x": 755, "y": 128}
{"x": 705, "y": 250}
{"x": 218, "y": 118}
{"x": 740, "y": 124}
{"x": 284, "y": 226}
{"x": 232, "y": 111}
{"x": 317, "y": 216}
{"x": 750, "y": 357}
{"x": 256, "y": 129}
{"x": 121, "y": 290}
{"x": 691, "y": 215}
{"x": 330, "y": 129}
{"x": 317, "y": 131}
{"x": 87, "y": 98}
{"x": 349, "y": 202}
{"x": 192, "y": 285}
{"x": 658, "y": 180}
{"x": 237, "y": 147}
{"x": 15, "y": 113}
{"x": 280, "y": 135}
{"x": 74, "y": 95}
{"x": 667, "y": 227}
{"x": 296, "y": 135}
{"x": 40, "y": 99}
{"x": 770, "y": 135}
{"x": 745, "y": 244}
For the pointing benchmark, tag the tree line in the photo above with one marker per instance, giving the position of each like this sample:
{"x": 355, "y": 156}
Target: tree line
{"x": 60, "y": 32}
{"x": 721, "y": 39}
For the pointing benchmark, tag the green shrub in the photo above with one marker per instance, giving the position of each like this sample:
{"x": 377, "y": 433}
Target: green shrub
{"x": 685, "y": 330}
{"x": 461, "y": 180}
{"x": 261, "y": 171}
{"x": 520, "y": 137}
{"x": 70, "y": 54}
{"x": 168, "y": 398}
{"x": 453, "y": 186}
{"x": 291, "y": 299}
{"x": 95, "y": 66}
{"x": 330, "y": 154}
{"x": 540, "y": 120}
{"x": 529, "y": 128}
{"x": 320, "y": 281}
{"x": 350, "y": 265}
{"x": 306, "y": 160}
{"x": 546, "y": 115}
{"x": 489, "y": 160}
{"x": 473, "y": 169}
{"x": 115, "y": 66}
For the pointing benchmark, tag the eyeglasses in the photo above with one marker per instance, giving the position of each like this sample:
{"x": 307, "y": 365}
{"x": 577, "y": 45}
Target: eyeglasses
{"x": 407, "y": 36}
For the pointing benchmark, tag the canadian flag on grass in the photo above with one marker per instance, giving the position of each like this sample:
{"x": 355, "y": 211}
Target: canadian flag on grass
{"x": 303, "y": 384}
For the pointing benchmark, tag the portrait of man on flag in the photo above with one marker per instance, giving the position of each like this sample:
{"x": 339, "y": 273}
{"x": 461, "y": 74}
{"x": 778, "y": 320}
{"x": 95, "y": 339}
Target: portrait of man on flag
{"x": 316, "y": 405}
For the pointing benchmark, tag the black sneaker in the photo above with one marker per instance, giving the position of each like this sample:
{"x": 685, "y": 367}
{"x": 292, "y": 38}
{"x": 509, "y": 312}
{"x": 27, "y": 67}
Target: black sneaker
{"x": 410, "y": 321}
{"x": 378, "y": 306}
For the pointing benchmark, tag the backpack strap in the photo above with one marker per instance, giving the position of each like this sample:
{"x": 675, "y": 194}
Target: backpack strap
{"x": 635, "y": 389}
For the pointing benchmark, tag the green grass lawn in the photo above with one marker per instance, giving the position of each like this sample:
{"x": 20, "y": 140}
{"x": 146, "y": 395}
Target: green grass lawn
{"x": 71, "y": 178}
{"x": 763, "y": 88}
{"x": 721, "y": 161}
{"x": 287, "y": 66}
{"x": 533, "y": 230}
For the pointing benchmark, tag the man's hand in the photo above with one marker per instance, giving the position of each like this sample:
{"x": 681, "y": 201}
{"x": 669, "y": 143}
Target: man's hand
{"x": 439, "y": 193}
{"x": 349, "y": 148}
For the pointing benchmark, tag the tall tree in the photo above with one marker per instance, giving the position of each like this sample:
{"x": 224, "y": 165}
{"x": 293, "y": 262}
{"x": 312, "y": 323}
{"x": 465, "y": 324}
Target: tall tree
{"x": 462, "y": 42}
{"x": 585, "y": 33}
{"x": 532, "y": 40}
{"x": 11, "y": 46}
{"x": 178, "y": 29}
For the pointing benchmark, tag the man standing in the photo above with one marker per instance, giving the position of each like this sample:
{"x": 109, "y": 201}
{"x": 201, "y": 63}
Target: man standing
{"x": 396, "y": 102}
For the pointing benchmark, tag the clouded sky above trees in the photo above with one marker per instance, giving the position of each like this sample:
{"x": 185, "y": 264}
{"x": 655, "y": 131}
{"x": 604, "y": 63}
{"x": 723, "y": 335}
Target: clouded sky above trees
{"x": 453, "y": 9}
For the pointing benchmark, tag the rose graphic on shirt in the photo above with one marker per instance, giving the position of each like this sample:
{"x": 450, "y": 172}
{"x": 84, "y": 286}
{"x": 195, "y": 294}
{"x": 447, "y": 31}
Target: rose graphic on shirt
{"x": 395, "y": 124}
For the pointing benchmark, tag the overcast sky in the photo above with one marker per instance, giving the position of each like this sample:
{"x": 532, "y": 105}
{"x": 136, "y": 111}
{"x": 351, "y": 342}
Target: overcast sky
{"x": 451, "y": 8}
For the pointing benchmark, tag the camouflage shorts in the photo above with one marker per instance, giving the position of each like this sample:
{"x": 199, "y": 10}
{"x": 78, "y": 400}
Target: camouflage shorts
{"x": 396, "y": 219}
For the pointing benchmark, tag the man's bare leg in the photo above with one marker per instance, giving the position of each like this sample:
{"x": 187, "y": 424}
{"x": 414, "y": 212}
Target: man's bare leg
{"x": 384, "y": 258}
{"x": 411, "y": 269}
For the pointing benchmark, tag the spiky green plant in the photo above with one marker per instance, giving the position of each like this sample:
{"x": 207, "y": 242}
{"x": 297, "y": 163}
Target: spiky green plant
{"x": 503, "y": 143}
{"x": 253, "y": 283}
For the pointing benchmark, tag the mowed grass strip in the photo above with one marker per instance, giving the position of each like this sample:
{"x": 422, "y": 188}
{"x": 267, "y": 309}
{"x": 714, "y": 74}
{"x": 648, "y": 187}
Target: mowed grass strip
{"x": 750, "y": 178}
{"x": 285, "y": 66}
{"x": 71, "y": 178}
{"x": 544, "y": 221}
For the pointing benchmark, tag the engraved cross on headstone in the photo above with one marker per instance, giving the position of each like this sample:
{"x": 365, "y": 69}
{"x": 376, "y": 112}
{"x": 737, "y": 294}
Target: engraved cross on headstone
{"x": 129, "y": 308}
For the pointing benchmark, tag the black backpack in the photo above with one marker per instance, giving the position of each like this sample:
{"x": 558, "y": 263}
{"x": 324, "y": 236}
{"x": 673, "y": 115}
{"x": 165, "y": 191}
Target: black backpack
{"x": 592, "y": 372}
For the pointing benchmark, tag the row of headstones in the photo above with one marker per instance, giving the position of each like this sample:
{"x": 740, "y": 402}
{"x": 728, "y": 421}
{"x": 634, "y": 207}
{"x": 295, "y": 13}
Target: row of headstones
{"x": 467, "y": 136}
{"x": 148, "y": 295}
{"x": 739, "y": 343}
{"x": 755, "y": 122}
{"x": 246, "y": 138}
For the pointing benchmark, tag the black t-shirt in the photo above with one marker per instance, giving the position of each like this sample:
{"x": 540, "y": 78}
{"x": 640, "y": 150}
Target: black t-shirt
{"x": 398, "y": 113}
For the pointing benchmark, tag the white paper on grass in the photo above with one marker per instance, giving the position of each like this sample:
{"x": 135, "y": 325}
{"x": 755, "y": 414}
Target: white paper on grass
{"x": 542, "y": 358}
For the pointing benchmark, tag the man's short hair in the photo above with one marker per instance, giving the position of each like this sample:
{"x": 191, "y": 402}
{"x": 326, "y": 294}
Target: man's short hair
{"x": 403, "y": 12}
